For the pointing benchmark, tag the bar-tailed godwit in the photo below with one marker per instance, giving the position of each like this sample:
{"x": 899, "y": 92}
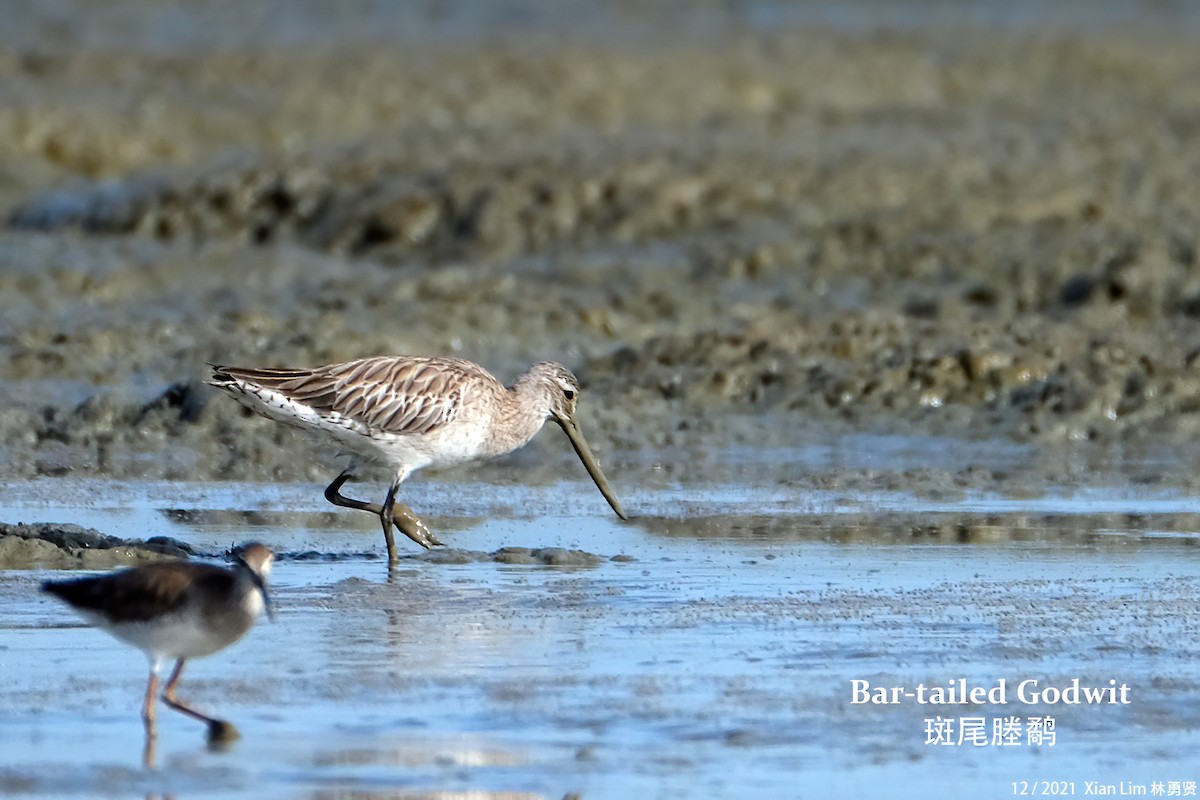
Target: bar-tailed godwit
{"x": 408, "y": 412}
{"x": 175, "y": 610}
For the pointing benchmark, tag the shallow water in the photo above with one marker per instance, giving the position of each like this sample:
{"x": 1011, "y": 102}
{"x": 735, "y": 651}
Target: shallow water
{"x": 717, "y": 662}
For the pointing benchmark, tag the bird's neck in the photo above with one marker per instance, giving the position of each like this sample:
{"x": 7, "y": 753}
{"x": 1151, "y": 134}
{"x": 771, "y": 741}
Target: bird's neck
{"x": 522, "y": 411}
{"x": 247, "y": 596}
{"x": 250, "y": 589}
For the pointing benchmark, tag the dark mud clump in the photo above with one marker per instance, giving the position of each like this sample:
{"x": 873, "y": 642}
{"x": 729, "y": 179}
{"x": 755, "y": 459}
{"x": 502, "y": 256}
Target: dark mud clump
{"x": 1112, "y": 531}
{"x": 73, "y": 546}
{"x": 391, "y": 209}
{"x": 542, "y": 556}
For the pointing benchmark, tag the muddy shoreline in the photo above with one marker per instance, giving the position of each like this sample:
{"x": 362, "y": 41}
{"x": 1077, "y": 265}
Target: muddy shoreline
{"x": 971, "y": 231}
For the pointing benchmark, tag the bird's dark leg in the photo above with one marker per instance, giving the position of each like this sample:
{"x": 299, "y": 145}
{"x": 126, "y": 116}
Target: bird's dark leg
{"x": 404, "y": 519}
{"x": 412, "y": 526}
{"x": 218, "y": 729}
{"x": 333, "y": 493}
{"x": 386, "y": 517}
{"x": 399, "y": 515}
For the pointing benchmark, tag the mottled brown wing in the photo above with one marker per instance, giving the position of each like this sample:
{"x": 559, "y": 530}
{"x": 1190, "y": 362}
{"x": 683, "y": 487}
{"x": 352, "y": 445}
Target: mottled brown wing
{"x": 138, "y": 594}
{"x": 388, "y": 394}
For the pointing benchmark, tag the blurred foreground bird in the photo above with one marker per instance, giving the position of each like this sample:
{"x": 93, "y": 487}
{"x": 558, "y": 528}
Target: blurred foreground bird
{"x": 175, "y": 610}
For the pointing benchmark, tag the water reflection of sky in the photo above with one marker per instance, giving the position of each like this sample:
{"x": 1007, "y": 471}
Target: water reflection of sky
{"x": 184, "y": 27}
{"x": 708, "y": 666}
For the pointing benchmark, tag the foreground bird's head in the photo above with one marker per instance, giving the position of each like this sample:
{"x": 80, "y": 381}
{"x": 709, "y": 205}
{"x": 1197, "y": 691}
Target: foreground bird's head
{"x": 561, "y": 389}
{"x": 255, "y": 560}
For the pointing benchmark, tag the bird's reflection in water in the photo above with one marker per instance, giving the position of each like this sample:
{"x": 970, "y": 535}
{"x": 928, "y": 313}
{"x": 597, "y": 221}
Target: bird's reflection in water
{"x": 150, "y": 751}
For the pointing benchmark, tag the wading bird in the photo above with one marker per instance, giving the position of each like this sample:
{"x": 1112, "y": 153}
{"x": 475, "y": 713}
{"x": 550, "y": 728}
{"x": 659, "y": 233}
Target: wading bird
{"x": 408, "y": 412}
{"x": 175, "y": 610}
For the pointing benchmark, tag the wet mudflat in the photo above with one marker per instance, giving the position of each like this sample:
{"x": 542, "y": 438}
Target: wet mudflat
{"x": 714, "y": 658}
{"x": 887, "y": 318}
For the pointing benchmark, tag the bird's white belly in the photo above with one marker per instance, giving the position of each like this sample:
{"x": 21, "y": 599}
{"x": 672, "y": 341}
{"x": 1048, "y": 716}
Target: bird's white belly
{"x": 454, "y": 444}
{"x": 175, "y": 636}
{"x": 463, "y": 439}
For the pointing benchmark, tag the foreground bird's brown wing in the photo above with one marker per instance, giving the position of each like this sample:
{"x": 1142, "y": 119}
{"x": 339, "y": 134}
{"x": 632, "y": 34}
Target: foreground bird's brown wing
{"x": 388, "y": 394}
{"x": 137, "y": 594}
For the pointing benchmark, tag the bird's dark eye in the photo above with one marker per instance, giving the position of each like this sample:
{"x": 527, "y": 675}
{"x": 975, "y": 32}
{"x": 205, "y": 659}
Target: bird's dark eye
{"x": 569, "y": 394}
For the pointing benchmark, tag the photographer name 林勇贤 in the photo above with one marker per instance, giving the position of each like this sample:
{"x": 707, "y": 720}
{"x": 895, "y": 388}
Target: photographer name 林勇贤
{"x": 959, "y": 691}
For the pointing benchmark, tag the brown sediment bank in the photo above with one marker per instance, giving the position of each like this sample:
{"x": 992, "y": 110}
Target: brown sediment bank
{"x": 68, "y": 546}
{"x": 46, "y": 544}
{"x": 735, "y": 235}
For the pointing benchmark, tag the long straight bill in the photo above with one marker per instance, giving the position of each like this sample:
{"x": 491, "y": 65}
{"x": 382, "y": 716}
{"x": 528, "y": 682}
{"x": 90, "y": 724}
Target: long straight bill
{"x": 589, "y": 462}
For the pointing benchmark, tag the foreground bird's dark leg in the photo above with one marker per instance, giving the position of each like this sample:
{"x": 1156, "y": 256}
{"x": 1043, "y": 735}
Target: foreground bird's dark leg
{"x": 402, "y": 516}
{"x": 218, "y": 729}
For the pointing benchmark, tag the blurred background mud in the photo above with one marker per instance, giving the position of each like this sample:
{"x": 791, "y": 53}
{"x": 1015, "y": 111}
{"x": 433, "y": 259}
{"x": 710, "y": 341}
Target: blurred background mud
{"x": 742, "y": 222}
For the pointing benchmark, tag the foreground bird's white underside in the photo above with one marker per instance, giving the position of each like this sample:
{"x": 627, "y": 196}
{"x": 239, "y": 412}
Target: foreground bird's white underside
{"x": 172, "y": 636}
